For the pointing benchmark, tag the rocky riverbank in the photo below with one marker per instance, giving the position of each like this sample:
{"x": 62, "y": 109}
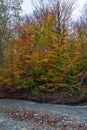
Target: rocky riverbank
{"x": 26, "y": 115}
{"x": 33, "y": 120}
{"x": 65, "y": 96}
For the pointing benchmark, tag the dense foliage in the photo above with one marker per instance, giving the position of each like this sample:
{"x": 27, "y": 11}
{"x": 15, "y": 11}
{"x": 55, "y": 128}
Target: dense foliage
{"x": 44, "y": 57}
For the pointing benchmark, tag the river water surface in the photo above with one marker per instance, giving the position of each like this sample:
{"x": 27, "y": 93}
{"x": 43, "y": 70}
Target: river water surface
{"x": 74, "y": 112}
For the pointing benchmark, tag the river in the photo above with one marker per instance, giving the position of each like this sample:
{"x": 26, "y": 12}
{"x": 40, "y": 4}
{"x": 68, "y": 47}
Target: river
{"x": 74, "y": 112}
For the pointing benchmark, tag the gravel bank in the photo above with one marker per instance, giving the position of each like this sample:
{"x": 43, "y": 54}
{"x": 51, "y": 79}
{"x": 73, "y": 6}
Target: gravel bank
{"x": 23, "y": 119}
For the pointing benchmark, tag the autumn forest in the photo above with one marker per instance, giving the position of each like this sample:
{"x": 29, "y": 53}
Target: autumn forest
{"x": 43, "y": 56}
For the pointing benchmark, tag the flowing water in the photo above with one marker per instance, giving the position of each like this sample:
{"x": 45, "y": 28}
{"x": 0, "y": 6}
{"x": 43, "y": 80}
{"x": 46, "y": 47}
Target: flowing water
{"x": 75, "y": 112}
